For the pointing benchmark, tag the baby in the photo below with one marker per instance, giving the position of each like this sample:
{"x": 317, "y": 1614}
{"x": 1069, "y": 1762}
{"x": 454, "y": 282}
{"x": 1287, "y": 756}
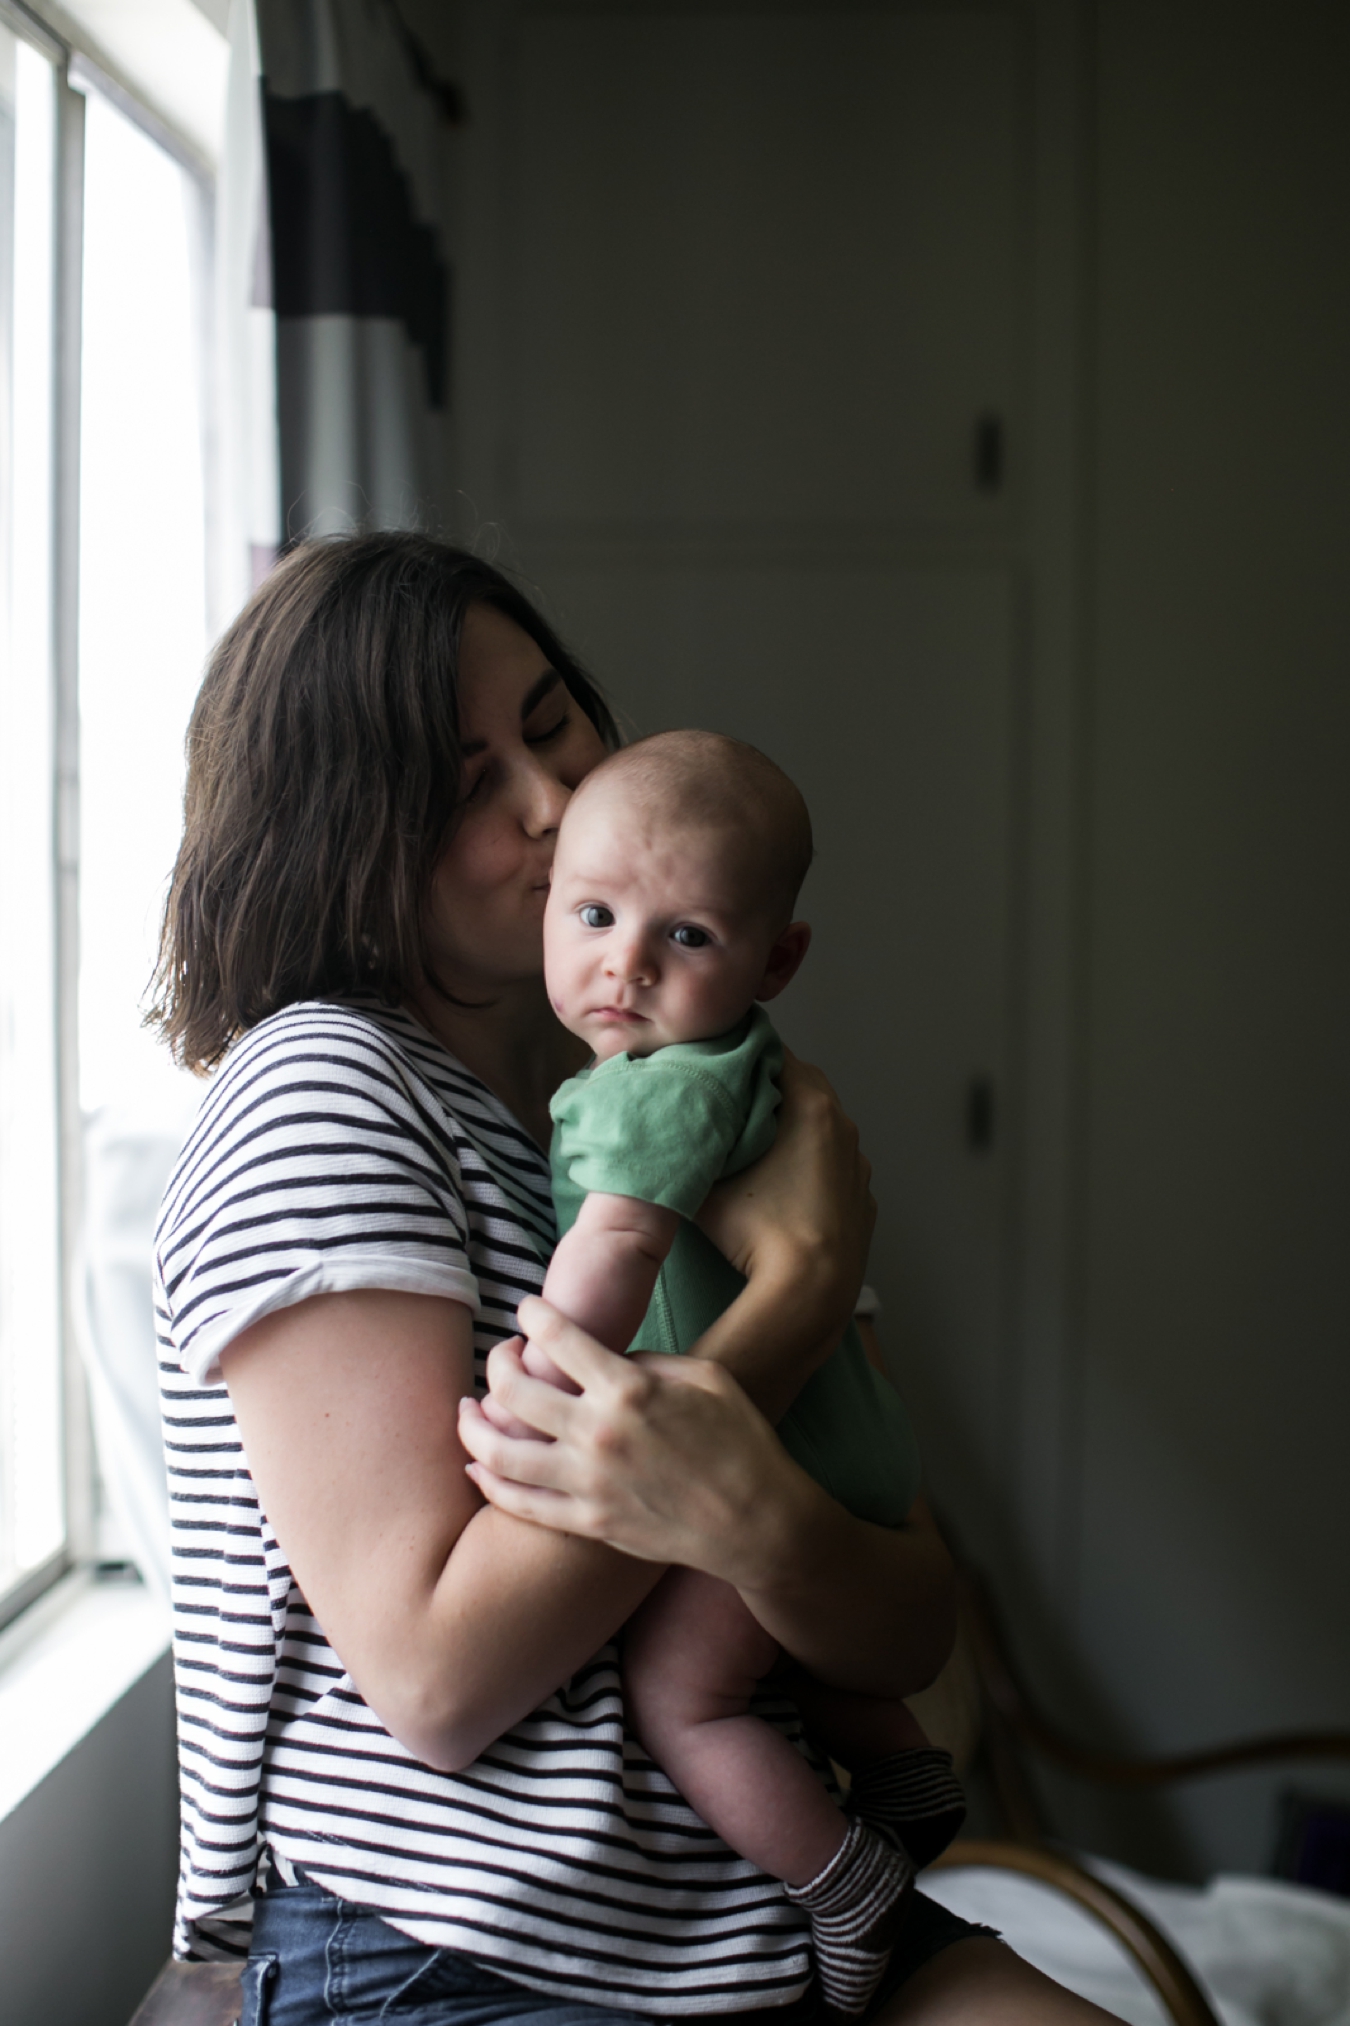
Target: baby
{"x": 669, "y": 917}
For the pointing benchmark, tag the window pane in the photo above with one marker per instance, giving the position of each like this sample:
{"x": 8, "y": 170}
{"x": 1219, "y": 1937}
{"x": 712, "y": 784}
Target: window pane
{"x": 142, "y": 587}
{"x": 31, "y": 1492}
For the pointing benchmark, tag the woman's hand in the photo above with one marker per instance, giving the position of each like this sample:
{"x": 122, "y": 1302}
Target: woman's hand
{"x": 664, "y": 1458}
{"x": 668, "y": 1460}
{"x": 804, "y": 1212}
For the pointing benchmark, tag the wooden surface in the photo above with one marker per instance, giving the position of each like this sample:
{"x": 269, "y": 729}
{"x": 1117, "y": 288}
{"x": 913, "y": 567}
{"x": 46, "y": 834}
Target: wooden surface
{"x": 192, "y": 1994}
{"x": 1182, "y": 1998}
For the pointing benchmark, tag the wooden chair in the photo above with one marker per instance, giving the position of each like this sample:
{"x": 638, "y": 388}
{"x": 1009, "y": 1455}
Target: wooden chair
{"x": 191, "y": 1994}
{"x": 980, "y": 1712}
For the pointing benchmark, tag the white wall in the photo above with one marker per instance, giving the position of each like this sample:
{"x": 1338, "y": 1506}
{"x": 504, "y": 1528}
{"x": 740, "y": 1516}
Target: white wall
{"x": 1213, "y": 1498}
{"x": 1120, "y": 1330}
{"x": 88, "y": 1865}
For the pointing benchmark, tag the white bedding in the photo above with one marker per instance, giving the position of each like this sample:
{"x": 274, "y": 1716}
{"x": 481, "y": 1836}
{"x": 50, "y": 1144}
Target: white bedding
{"x": 1268, "y": 1954}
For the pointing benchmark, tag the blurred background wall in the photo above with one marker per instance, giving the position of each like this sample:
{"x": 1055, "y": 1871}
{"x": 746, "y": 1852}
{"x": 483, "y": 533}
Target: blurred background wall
{"x": 953, "y": 400}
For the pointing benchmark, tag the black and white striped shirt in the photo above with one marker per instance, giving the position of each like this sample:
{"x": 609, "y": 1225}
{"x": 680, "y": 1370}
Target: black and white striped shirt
{"x": 341, "y": 1147}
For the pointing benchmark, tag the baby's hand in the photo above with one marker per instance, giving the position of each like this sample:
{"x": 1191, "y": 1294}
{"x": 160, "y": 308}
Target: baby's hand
{"x": 539, "y": 1366}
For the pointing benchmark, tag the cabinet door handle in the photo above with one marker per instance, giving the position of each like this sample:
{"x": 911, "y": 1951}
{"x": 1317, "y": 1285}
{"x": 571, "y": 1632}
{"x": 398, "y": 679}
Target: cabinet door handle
{"x": 980, "y": 1114}
{"x": 989, "y": 452}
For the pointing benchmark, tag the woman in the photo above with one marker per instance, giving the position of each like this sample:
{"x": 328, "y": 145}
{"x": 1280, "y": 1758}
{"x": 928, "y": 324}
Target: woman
{"x": 395, "y": 1685}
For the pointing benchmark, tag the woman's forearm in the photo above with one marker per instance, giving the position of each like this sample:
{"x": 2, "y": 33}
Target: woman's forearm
{"x": 860, "y": 1606}
{"x": 518, "y": 1609}
{"x": 773, "y": 1337}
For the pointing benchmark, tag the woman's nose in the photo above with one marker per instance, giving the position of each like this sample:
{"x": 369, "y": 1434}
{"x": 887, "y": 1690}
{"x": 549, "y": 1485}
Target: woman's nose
{"x": 544, "y": 798}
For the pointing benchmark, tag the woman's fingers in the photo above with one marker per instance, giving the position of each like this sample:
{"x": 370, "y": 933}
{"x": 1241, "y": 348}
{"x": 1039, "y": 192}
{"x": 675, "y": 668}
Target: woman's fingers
{"x": 540, "y": 1367}
{"x": 808, "y": 1199}
{"x": 578, "y": 1356}
{"x": 521, "y": 1501}
{"x": 508, "y": 1424}
{"x": 537, "y": 1403}
{"x": 663, "y": 1458}
{"x": 524, "y": 1459}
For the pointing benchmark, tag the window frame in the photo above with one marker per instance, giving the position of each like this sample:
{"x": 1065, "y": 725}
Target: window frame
{"x": 75, "y": 73}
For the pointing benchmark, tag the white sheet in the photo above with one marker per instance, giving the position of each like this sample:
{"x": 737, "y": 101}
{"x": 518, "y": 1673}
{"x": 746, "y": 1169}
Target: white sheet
{"x": 1268, "y": 1954}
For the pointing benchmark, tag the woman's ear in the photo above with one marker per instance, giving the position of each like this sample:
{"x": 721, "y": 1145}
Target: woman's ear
{"x": 784, "y": 959}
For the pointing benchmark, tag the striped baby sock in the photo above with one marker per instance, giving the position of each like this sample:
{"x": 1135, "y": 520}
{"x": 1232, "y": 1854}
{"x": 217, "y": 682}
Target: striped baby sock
{"x": 913, "y": 1799}
{"x": 855, "y": 1905}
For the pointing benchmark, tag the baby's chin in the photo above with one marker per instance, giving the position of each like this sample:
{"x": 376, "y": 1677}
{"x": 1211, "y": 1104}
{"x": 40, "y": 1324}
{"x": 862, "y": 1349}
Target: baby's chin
{"x": 612, "y": 1041}
{"x": 607, "y": 1041}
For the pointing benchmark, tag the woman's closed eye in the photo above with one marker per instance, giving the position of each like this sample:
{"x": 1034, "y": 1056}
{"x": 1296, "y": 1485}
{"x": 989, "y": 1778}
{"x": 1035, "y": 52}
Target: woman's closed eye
{"x": 593, "y": 915}
{"x": 544, "y": 735}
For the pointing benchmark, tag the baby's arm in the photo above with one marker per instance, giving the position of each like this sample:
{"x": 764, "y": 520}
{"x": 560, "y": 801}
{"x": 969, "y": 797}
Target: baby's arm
{"x": 605, "y": 1267}
{"x": 601, "y": 1276}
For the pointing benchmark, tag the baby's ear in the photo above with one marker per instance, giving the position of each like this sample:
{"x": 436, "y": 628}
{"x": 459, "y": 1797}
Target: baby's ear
{"x": 784, "y": 959}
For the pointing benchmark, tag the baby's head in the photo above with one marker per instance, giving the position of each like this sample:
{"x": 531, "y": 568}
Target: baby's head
{"x": 677, "y": 869}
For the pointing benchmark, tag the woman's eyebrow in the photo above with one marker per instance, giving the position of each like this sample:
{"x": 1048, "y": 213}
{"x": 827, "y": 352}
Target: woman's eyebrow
{"x": 531, "y": 701}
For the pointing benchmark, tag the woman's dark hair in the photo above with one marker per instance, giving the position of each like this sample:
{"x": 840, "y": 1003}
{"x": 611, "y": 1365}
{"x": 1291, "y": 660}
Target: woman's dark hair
{"x": 322, "y": 784}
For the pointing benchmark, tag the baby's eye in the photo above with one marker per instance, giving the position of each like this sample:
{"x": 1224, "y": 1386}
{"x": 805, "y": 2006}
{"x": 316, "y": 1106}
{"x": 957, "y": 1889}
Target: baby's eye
{"x": 593, "y": 916}
{"x": 690, "y": 938}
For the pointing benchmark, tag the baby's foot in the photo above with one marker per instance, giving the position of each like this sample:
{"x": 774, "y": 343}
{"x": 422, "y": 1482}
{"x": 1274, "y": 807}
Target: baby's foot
{"x": 855, "y": 1904}
{"x": 913, "y": 1799}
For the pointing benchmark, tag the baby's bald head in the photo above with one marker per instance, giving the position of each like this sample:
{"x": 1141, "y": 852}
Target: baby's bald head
{"x": 706, "y": 781}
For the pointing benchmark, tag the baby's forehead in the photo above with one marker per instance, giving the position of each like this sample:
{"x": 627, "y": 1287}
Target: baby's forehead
{"x": 630, "y": 829}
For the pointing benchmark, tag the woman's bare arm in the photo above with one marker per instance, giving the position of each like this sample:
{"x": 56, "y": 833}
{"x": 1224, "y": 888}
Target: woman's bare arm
{"x": 454, "y": 1620}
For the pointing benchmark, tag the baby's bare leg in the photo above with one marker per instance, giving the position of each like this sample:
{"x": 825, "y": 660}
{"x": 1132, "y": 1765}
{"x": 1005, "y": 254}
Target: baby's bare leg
{"x": 692, "y": 1656}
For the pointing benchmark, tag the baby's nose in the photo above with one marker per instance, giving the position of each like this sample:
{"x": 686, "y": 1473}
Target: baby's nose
{"x": 631, "y": 958}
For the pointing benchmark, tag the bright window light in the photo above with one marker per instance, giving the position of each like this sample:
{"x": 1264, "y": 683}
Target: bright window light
{"x": 32, "y": 1522}
{"x": 142, "y": 589}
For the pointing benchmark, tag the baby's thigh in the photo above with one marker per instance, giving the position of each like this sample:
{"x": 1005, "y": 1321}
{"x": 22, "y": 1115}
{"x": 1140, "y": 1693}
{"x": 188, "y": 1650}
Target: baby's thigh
{"x": 694, "y": 1628}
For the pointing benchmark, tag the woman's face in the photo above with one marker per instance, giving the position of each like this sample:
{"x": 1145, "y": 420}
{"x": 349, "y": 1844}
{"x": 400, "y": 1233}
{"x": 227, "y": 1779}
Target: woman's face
{"x": 526, "y": 744}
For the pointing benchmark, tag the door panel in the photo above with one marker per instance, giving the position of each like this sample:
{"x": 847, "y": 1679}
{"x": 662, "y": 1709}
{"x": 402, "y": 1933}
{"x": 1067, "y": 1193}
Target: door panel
{"x": 765, "y": 268}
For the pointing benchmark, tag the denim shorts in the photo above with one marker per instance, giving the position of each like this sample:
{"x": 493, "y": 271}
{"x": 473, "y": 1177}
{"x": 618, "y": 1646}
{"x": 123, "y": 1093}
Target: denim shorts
{"x": 316, "y": 1959}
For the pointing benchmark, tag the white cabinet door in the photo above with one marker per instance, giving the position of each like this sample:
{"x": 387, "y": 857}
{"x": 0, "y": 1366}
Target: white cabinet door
{"x": 765, "y": 270}
{"x": 762, "y": 353}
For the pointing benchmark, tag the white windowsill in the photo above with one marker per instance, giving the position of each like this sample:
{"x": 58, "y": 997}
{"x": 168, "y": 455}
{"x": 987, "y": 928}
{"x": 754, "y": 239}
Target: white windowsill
{"x": 63, "y": 1665}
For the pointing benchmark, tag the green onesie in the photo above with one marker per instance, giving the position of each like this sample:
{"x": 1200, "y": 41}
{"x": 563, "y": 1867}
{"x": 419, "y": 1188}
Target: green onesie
{"x": 664, "y": 1128}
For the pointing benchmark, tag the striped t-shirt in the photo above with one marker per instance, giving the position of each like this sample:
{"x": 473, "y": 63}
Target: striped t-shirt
{"x": 341, "y": 1147}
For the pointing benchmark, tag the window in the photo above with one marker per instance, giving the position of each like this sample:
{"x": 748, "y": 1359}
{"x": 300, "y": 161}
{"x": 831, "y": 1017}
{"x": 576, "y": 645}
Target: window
{"x": 142, "y": 623}
{"x": 103, "y": 631}
{"x": 32, "y": 1461}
